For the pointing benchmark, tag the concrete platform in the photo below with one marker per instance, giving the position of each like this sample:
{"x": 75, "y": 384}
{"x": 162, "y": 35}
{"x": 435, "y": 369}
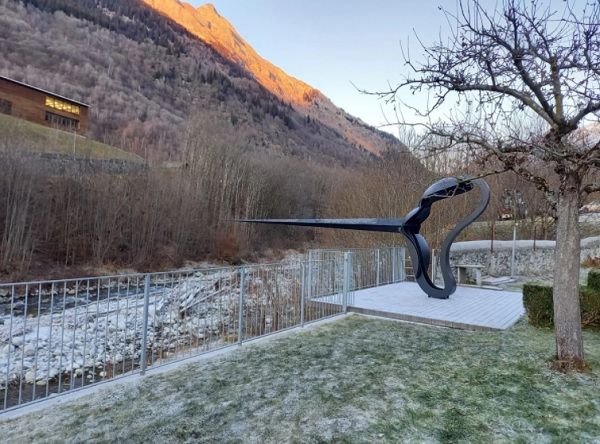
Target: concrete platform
{"x": 468, "y": 308}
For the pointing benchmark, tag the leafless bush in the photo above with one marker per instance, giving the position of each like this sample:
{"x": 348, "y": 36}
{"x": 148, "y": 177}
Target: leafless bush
{"x": 153, "y": 218}
{"x": 16, "y": 242}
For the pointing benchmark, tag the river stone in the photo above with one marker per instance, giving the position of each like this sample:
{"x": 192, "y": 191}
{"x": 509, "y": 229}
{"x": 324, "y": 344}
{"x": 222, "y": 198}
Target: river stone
{"x": 30, "y": 376}
{"x": 29, "y": 350}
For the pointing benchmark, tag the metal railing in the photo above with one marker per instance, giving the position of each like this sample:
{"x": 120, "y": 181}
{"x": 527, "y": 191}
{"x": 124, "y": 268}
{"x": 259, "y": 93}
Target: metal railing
{"x": 61, "y": 335}
{"x": 370, "y": 267}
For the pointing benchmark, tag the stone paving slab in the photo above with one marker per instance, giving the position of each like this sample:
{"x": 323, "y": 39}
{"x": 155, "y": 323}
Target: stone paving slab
{"x": 468, "y": 308}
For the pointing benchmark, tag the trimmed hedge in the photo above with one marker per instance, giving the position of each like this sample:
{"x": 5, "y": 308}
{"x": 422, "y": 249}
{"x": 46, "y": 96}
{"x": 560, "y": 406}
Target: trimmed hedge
{"x": 590, "y": 306}
{"x": 537, "y": 299}
{"x": 594, "y": 279}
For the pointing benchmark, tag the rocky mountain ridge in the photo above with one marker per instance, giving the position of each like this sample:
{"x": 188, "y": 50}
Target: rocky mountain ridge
{"x": 150, "y": 82}
{"x": 208, "y": 25}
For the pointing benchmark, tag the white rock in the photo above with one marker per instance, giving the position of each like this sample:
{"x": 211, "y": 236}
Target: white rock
{"x": 5, "y": 349}
{"x": 30, "y": 376}
{"x": 29, "y": 350}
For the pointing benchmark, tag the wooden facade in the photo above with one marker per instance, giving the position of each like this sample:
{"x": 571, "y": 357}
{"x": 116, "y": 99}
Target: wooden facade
{"x": 40, "y": 106}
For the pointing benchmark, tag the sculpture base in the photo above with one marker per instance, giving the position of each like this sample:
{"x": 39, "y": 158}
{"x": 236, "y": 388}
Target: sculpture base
{"x": 468, "y": 308}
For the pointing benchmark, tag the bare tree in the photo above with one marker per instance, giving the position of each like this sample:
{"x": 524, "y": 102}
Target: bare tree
{"x": 527, "y": 83}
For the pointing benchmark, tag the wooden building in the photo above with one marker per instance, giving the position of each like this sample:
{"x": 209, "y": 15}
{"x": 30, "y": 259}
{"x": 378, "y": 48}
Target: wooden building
{"x": 40, "y": 106}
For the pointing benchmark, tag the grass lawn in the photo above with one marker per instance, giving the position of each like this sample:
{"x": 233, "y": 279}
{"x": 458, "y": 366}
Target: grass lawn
{"x": 39, "y": 138}
{"x": 354, "y": 380}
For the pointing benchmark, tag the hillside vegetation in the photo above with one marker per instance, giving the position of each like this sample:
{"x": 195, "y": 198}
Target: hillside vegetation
{"x": 163, "y": 94}
{"x": 18, "y": 134}
{"x": 147, "y": 80}
{"x": 207, "y": 24}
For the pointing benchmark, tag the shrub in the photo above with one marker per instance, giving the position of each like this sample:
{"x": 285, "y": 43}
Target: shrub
{"x": 227, "y": 247}
{"x": 537, "y": 299}
{"x": 594, "y": 279}
{"x": 590, "y": 306}
{"x": 591, "y": 262}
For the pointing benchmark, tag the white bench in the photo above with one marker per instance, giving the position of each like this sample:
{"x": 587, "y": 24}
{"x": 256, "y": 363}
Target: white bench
{"x": 462, "y": 270}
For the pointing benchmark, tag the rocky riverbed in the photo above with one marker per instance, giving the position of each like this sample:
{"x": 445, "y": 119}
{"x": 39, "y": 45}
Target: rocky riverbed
{"x": 93, "y": 339}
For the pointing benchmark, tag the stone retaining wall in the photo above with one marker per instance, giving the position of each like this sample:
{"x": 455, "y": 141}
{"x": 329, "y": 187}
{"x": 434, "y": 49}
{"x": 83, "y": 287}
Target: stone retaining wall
{"x": 61, "y": 164}
{"x": 531, "y": 260}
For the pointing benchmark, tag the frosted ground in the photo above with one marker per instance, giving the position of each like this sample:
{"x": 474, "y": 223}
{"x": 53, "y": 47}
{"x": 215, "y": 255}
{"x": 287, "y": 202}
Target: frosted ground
{"x": 354, "y": 380}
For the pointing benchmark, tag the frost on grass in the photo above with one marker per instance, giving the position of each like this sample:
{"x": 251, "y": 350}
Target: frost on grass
{"x": 355, "y": 380}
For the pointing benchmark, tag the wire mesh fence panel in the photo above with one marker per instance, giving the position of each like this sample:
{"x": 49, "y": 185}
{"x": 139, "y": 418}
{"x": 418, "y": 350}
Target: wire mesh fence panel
{"x": 61, "y": 335}
{"x": 363, "y": 266}
{"x": 272, "y": 299}
{"x": 370, "y": 267}
{"x": 324, "y": 296}
{"x": 192, "y": 313}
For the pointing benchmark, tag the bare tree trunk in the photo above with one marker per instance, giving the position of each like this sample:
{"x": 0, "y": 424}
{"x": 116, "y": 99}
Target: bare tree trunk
{"x": 567, "y": 315}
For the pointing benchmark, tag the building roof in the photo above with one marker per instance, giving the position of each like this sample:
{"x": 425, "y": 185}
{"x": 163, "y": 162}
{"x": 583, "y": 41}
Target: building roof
{"x": 44, "y": 91}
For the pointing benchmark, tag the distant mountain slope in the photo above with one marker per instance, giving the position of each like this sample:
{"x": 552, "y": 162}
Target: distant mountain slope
{"x": 207, "y": 24}
{"x": 148, "y": 80}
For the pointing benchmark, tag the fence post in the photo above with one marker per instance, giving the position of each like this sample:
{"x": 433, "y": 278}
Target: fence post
{"x": 241, "y": 309}
{"x": 394, "y": 263}
{"x": 377, "y": 272}
{"x": 352, "y": 284}
{"x": 145, "y": 329}
{"x": 309, "y": 279}
{"x": 402, "y": 264}
{"x": 302, "y": 285}
{"x": 513, "y": 255}
{"x": 346, "y": 281}
{"x": 433, "y": 266}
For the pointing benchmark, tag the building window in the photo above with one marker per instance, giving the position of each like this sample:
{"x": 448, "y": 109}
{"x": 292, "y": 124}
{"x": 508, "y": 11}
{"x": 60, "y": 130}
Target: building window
{"x": 62, "y": 121}
{"x": 61, "y": 105}
{"x": 5, "y": 106}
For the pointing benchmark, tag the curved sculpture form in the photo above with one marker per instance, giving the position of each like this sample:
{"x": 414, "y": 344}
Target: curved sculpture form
{"x": 410, "y": 226}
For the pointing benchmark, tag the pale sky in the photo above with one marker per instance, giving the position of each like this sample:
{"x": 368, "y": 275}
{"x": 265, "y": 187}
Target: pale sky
{"x": 332, "y": 44}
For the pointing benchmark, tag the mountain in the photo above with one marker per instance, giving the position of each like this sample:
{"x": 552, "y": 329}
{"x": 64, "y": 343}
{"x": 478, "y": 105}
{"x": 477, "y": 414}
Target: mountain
{"x": 207, "y": 24}
{"x": 154, "y": 71}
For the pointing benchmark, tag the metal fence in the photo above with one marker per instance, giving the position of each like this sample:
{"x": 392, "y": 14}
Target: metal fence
{"x": 61, "y": 335}
{"x": 370, "y": 267}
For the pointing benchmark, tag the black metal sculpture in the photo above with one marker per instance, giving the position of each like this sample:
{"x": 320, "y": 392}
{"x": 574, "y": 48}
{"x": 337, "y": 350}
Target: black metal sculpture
{"x": 409, "y": 226}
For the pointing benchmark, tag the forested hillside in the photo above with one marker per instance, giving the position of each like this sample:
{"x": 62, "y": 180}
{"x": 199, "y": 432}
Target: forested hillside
{"x": 159, "y": 92}
{"x": 147, "y": 79}
{"x": 208, "y": 25}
